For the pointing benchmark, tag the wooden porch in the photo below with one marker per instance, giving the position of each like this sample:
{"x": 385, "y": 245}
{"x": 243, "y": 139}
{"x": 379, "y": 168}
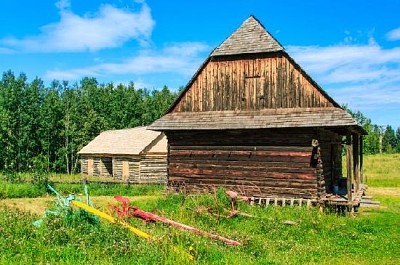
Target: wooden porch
{"x": 354, "y": 193}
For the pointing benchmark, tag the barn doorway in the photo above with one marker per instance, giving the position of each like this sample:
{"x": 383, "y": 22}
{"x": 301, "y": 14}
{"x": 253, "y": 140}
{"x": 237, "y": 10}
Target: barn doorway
{"x": 107, "y": 166}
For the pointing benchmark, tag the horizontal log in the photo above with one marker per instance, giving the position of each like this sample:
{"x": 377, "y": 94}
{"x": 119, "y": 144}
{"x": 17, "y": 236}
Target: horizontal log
{"x": 252, "y": 182}
{"x": 237, "y": 173}
{"x": 214, "y": 153}
{"x": 244, "y": 163}
{"x": 246, "y": 166}
{"x": 244, "y": 148}
{"x": 186, "y": 157}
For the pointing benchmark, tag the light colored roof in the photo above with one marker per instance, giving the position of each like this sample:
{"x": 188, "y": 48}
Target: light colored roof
{"x": 262, "y": 119}
{"x": 123, "y": 142}
{"x": 250, "y": 37}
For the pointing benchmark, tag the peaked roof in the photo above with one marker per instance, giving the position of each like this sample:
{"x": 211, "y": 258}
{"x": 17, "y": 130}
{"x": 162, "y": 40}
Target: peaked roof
{"x": 123, "y": 142}
{"x": 250, "y": 37}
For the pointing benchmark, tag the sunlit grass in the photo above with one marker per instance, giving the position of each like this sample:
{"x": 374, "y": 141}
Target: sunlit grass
{"x": 312, "y": 237}
{"x": 382, "y": 170}
{"x": 318, "y": 238}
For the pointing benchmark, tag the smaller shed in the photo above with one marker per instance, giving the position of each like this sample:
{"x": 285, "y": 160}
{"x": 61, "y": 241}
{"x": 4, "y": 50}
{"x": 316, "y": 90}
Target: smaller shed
{"x": 135, "y": 155}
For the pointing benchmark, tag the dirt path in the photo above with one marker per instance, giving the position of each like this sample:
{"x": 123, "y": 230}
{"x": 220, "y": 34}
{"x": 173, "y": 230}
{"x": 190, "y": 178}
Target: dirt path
{"x": 39, "y": 205}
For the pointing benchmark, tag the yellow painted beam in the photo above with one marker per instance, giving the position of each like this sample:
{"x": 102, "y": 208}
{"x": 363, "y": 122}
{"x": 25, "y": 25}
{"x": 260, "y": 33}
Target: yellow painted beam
{"x": 110, "y": 218}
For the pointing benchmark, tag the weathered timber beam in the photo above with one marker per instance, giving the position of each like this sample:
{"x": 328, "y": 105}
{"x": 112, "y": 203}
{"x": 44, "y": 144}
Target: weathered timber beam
{"x": 349, "y": 167}
{"x": 239, "y": 173}
{"x": 361, "y": 159}
{"x": 356, "y": 169}
{"x": 244, "y": 166}
{"x": 244, "y": 148}
{"x": 252, "y": 157}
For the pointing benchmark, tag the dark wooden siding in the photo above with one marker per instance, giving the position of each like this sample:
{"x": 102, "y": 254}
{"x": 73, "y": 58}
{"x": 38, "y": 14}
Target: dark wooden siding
{"x": 251, "y": 83}
{"x": 330, "y": 144}
{"x": 254, "y": 162}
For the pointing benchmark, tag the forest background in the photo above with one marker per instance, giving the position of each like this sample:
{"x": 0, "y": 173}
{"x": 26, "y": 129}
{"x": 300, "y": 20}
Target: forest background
{"x": 43, "y": 127}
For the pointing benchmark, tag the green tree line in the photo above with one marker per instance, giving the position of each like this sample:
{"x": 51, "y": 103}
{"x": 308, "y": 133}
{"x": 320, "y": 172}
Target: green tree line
{"x": 42, "y": 128}
{"x": 380, "y": 139}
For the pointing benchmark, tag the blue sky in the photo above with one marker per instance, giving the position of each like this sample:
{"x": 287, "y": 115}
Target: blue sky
{"x": 351, "y": 48}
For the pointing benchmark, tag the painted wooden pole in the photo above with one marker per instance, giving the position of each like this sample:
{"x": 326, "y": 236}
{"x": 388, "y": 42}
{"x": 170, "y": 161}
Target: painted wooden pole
{"x": 110, "y": 218}
{"x": 150, "y": 216}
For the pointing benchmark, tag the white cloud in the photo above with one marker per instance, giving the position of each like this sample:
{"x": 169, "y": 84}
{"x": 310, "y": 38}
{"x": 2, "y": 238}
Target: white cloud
{"x": 5, "y": 50}
{"x": 341, "y": 64}
{"x": 109, "y": 27}
{"x": 393, "y": 35}
{"x": 366, "y": 77}
{"x": 182, "y": 58}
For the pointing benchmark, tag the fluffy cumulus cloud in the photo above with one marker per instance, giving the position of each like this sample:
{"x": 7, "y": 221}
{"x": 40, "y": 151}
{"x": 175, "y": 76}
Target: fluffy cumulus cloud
{"x": 180, "y": 59}
{"x": 393, "y": 35}
{"x": 360, "y": 75}
{"x": 107, "y": 28}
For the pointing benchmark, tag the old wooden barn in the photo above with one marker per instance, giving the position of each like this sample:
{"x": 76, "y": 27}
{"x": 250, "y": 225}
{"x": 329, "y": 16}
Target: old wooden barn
{"x": 134, "y": 155}
{"x": 252, "y": 120}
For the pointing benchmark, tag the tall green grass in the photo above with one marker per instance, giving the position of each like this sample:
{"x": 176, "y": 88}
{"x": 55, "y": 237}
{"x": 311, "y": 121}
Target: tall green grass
{"x": 372, "y": 237}
{"x": 382, "y": 170}
{"x": 31, "y": 190}
{"x": 313, "y": 238}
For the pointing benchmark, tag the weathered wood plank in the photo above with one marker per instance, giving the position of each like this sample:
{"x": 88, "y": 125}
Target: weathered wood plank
{"x": 222, "y": 82}
{"x": 244, "y": 148}
{"x": 244, "y": 165}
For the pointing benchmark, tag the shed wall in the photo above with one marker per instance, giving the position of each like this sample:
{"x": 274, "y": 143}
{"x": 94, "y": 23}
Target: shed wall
{"x": 129, "y": 172}
{"x": 148, "y": 168}
{"x": 153, "y": 168}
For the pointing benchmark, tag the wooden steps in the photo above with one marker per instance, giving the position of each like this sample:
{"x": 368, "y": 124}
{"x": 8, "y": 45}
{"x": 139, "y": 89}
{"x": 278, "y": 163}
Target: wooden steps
{"x": 366, "y": 201}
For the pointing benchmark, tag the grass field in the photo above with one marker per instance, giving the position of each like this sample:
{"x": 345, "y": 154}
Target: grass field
{"x": 382, "y": 170}
{"x": 371, "y": 237}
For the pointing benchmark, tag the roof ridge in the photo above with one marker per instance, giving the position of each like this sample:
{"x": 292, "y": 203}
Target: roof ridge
{"x": 250, "y": 37}
{"x": 126, "y": 129}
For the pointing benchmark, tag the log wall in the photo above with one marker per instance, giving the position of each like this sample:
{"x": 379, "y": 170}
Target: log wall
{"x": 330, "y": 144}
{"x": 84, "y": 165}
{"x": 153, "y": 168}
{"x": 96, "y": 166}
{"x": 252, "y": 162}
{"x": 133, "y": 168}
{"x": 148, "y": 168}
{"x": 251, "y": 83}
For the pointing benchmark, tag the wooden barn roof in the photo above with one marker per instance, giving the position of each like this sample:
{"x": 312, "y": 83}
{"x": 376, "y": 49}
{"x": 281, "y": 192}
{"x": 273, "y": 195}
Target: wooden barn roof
{"x": 250, "y": 37}
{"x": 132, "y": 141}
{"x": 262, "y": 119}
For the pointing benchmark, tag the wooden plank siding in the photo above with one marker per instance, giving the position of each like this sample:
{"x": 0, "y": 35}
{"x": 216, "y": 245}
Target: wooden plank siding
{"x": 127, "y": 168}
{"x": 153, "y": 169}
{"x": 254, "y": 162}
{"x": 84, "y": 165}
{"x": 251, "y": 83}
{"x": 147, "y": 168}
